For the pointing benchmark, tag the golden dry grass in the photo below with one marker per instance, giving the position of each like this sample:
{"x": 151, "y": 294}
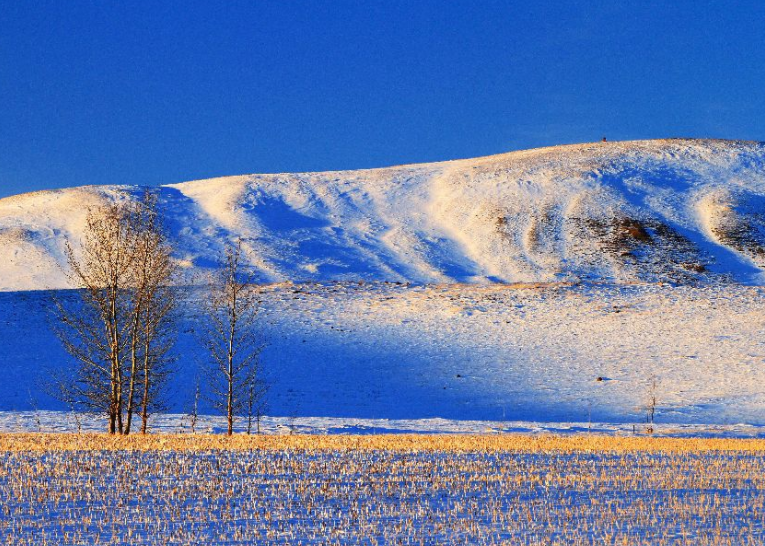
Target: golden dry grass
{"x": 397, "y": 442}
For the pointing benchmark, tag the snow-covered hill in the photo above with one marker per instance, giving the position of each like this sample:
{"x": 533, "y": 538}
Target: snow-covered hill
{"x": 662, "y": 210}
{"x": 551, "y": 350}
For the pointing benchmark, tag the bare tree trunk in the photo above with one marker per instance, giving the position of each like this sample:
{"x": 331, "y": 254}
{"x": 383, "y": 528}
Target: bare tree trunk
{"x": 230, "y": 377}
{"x": 113, "y": 419}
{"x": 132, "y": 383}
{"x": 146, "y": 386}
{"x": 118, "y": 394}
{"x": 116, "y": 414}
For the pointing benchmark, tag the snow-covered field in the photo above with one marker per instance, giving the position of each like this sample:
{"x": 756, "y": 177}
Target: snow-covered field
{"x": 383, "y": 357}
{"x": 468, "y": 493}
{"x": 547, "y": 289}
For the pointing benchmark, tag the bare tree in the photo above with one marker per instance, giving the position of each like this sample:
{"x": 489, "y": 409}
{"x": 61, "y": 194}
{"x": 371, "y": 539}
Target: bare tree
{"x": 95, "y": 332}
{"x": 119, "y": 328}
{"x": 232, "y": 338}
{"x": 152, "y": 313}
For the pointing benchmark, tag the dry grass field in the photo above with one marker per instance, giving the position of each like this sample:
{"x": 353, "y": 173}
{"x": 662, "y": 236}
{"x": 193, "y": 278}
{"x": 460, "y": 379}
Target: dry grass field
{"x": 367, "y": 442}
{"x": 408, "y": 489}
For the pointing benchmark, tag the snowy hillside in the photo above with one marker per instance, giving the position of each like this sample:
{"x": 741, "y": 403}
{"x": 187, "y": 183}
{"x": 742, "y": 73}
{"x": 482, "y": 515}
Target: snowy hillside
{"x": 458, "y": 345}
{"x": 462, "y": 352}
{"x": 664, "y": 210}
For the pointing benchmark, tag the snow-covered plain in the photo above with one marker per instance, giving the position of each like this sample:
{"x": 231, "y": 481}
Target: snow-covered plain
{"x": 489, "y": 293}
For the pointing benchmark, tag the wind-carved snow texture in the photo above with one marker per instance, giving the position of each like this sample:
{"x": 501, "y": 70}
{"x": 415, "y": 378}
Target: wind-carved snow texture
{"x": 680, "y": 211}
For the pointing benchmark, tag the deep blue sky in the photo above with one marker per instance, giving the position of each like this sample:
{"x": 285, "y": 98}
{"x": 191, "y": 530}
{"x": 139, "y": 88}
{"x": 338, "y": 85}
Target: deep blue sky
{"x": 158, "y": 92}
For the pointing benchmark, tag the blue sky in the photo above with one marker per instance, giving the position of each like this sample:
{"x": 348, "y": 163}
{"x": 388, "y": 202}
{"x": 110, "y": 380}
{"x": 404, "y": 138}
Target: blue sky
{"x": 160, "y": 92}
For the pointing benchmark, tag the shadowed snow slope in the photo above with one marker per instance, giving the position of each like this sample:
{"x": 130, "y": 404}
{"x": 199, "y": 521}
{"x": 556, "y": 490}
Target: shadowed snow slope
{"x": 663, "y": 210}
{"x": 462, "y": 352}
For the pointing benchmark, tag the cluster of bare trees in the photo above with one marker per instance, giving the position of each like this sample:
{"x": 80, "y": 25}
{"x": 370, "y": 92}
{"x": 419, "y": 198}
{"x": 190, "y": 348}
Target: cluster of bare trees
{"x": 122, "y": 327}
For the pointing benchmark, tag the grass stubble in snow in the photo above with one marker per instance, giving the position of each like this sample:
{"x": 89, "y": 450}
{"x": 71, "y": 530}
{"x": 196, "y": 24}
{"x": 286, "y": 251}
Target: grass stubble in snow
{"x": 393, "y": 489}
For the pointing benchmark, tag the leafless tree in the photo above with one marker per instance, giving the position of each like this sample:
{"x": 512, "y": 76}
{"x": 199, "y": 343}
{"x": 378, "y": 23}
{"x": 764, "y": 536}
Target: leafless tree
{"x": 95, "y": 332}
{"x": 232, "y": 337}
{"x": 119, "y": 329}
{"x": 152, "y": 313}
